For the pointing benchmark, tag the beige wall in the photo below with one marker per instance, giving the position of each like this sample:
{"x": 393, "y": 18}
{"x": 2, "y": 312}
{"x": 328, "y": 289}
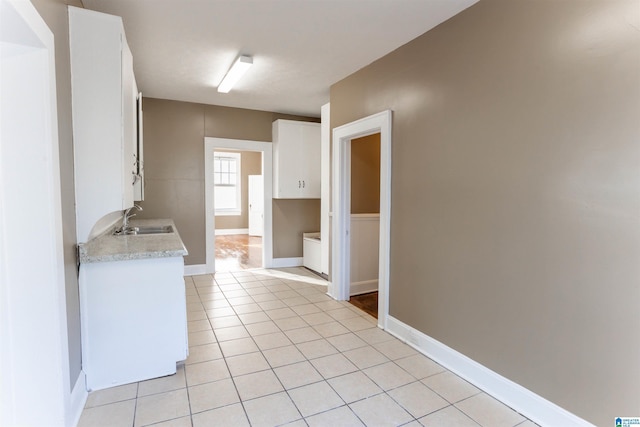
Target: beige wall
{"x": 54, "y": 13}
{"x": 291, "y": 218}
{"x": 365, "y": 174}
{"x": 515, "y": 226}
{"x": 250, "y": 164}
{"x": 174, "y": 169}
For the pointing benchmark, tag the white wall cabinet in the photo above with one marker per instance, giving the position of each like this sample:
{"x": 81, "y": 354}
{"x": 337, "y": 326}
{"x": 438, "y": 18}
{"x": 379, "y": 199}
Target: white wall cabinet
{"x": 296, "y": 160}
{"x": 138, "y": 185}
{"x": 104, "y": 116}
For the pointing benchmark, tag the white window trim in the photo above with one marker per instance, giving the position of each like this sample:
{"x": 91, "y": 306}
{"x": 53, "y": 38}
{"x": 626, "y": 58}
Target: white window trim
{"x": 238, "y": 210}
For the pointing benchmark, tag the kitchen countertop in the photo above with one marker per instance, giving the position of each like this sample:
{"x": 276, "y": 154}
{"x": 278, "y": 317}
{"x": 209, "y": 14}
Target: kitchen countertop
{"x": 108, "y": 247}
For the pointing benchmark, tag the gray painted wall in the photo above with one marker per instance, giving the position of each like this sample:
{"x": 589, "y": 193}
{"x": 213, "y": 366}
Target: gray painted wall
{"x": 515, "y": 220}
{"x": 365, "y": 174}
{"x": 174, "y": 171}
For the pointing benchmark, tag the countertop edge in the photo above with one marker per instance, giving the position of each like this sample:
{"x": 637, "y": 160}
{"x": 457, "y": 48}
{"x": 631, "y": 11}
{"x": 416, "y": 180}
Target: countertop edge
{"x": 107, "y": 247}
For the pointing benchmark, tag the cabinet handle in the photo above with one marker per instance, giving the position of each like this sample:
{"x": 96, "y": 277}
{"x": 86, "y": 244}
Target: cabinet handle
{"x": 302, "y": 184}
{"x": 298, "y": 184}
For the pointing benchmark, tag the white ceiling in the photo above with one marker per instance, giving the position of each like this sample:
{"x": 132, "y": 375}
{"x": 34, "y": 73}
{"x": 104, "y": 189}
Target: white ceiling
{"x": 183, "y": 48}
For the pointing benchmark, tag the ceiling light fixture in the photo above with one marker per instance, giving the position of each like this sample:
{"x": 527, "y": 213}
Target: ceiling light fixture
{"x": 234, "y": 74}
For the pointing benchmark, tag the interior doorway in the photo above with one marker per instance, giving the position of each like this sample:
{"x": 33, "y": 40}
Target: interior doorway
{"x": 365, "y": 222}
{"x": 265, "y": 248}
{"x": 340, "y": 286}
{"x": 238, "y": 206}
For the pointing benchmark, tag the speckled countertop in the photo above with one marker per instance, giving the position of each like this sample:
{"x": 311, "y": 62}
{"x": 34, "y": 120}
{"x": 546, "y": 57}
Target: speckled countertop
{"x": 108, "y": 247}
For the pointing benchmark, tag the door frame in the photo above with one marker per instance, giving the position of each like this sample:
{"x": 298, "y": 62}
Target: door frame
{"x": 341, "y": 256}
{"x": 266, "y": 148}
{"x": 33, "y": 288}
{"x": 249, "y": 187}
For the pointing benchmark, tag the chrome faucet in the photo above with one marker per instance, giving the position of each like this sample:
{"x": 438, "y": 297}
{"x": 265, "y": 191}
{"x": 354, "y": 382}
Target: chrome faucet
{"x": 126, "y": 217}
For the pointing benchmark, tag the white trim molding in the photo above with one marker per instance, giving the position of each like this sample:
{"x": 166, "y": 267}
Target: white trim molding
{"x": 79, "y": 395}
{"x": 526, "y": 402}
{"x": 287, "y": 262}
{"x": 39, "y": 385}
{"x": 195, "y": 270}
{"x": 364, "y": 287}
{"x": 266, "y": 148}
{"x": 325, "y": 187}
{"x": 340, "y": 252}
{"x": 231, "y": 231}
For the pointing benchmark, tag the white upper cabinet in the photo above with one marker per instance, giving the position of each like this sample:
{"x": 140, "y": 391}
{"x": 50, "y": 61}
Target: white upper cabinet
{"x": 138, "y": 186}
{"x": 296, "y": 160}
{"x": 104, "y": 109}
{"x": 129, "y": 122}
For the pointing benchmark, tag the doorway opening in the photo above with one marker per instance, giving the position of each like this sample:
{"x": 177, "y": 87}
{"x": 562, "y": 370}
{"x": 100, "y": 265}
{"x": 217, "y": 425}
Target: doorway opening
{"x": 366, "y": 302}
{"x": 229, "y": 243}
{"x": 239, "y": 209}
{"x": 340, "y": 287}
{"x": 365, "y": 222}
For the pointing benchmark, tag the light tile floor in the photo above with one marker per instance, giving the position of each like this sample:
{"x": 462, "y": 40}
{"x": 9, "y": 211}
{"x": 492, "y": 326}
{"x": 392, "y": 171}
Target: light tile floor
{"x": 269, "y": 348}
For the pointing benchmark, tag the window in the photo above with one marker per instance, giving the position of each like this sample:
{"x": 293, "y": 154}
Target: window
{"x": 226, "y": 179}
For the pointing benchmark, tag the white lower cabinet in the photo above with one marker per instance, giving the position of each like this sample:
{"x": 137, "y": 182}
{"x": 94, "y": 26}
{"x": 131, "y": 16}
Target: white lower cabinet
{"x": 311, "y": 246}
{"x": 134, "y": 320}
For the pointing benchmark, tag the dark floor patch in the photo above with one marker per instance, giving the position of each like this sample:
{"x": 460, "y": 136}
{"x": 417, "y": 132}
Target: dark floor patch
{"x": 367, "y": 303}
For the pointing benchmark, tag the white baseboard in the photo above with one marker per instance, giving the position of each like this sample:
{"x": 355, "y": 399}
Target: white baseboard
{"x": 194, "y": 270}
{"x": 231, "y": 231}
{"x": 78, "y": 399}
{"x": 363, "y": 287}
{"x": 529, "y": 404}
{"x": 286, "y": 262}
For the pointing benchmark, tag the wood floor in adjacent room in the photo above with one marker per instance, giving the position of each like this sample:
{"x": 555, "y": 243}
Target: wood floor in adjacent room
{"x": 238, "y": 252}
{"x": 367, "y": 303}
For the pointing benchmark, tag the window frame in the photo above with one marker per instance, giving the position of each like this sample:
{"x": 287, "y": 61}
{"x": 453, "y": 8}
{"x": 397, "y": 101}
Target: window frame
{"x": 237, "y": 157}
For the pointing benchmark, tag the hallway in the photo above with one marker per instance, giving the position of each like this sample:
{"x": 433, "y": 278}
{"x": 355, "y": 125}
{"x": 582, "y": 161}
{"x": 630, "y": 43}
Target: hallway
{"x": 269, "y": 347}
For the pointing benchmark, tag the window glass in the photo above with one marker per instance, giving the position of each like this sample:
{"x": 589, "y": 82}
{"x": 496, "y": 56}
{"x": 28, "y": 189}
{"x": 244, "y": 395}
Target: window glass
{"x": 226, "y": 179}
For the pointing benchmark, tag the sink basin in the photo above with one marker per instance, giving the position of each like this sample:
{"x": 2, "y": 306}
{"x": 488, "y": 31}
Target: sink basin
{"x": 154, "y": 229}
{"x": 145, "y": 229}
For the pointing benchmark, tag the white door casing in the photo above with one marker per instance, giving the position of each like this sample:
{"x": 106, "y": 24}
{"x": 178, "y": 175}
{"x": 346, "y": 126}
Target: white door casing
{"x": 34, "y": 390}
{"x": 340, "y": 253}
{"x": 325, "y": 188}
{"x": 256, "y": 205}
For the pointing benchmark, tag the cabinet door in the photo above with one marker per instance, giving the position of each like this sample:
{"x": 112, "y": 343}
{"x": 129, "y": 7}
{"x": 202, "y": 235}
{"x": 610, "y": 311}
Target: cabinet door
{"x": 129, "y": 131}
{"x": 96, "y": 69}
{"x": 296, "y": 155}
{"x": 138, "y": 186}
{"x": 310, "y": 152}
{"x": 286, "y": 170}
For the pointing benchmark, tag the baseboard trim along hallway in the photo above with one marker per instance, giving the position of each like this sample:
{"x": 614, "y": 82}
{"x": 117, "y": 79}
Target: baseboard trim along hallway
{"x": 529, "y": 404}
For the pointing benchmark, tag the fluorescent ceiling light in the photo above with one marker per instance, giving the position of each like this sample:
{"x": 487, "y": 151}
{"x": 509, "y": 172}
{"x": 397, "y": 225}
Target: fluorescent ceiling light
{"x": 237, "y": 70}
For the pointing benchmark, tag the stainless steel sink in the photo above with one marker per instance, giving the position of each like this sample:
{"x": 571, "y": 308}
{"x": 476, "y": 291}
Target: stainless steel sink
{"x": 145, "y": 230}
{"x": 154, "y": 229}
